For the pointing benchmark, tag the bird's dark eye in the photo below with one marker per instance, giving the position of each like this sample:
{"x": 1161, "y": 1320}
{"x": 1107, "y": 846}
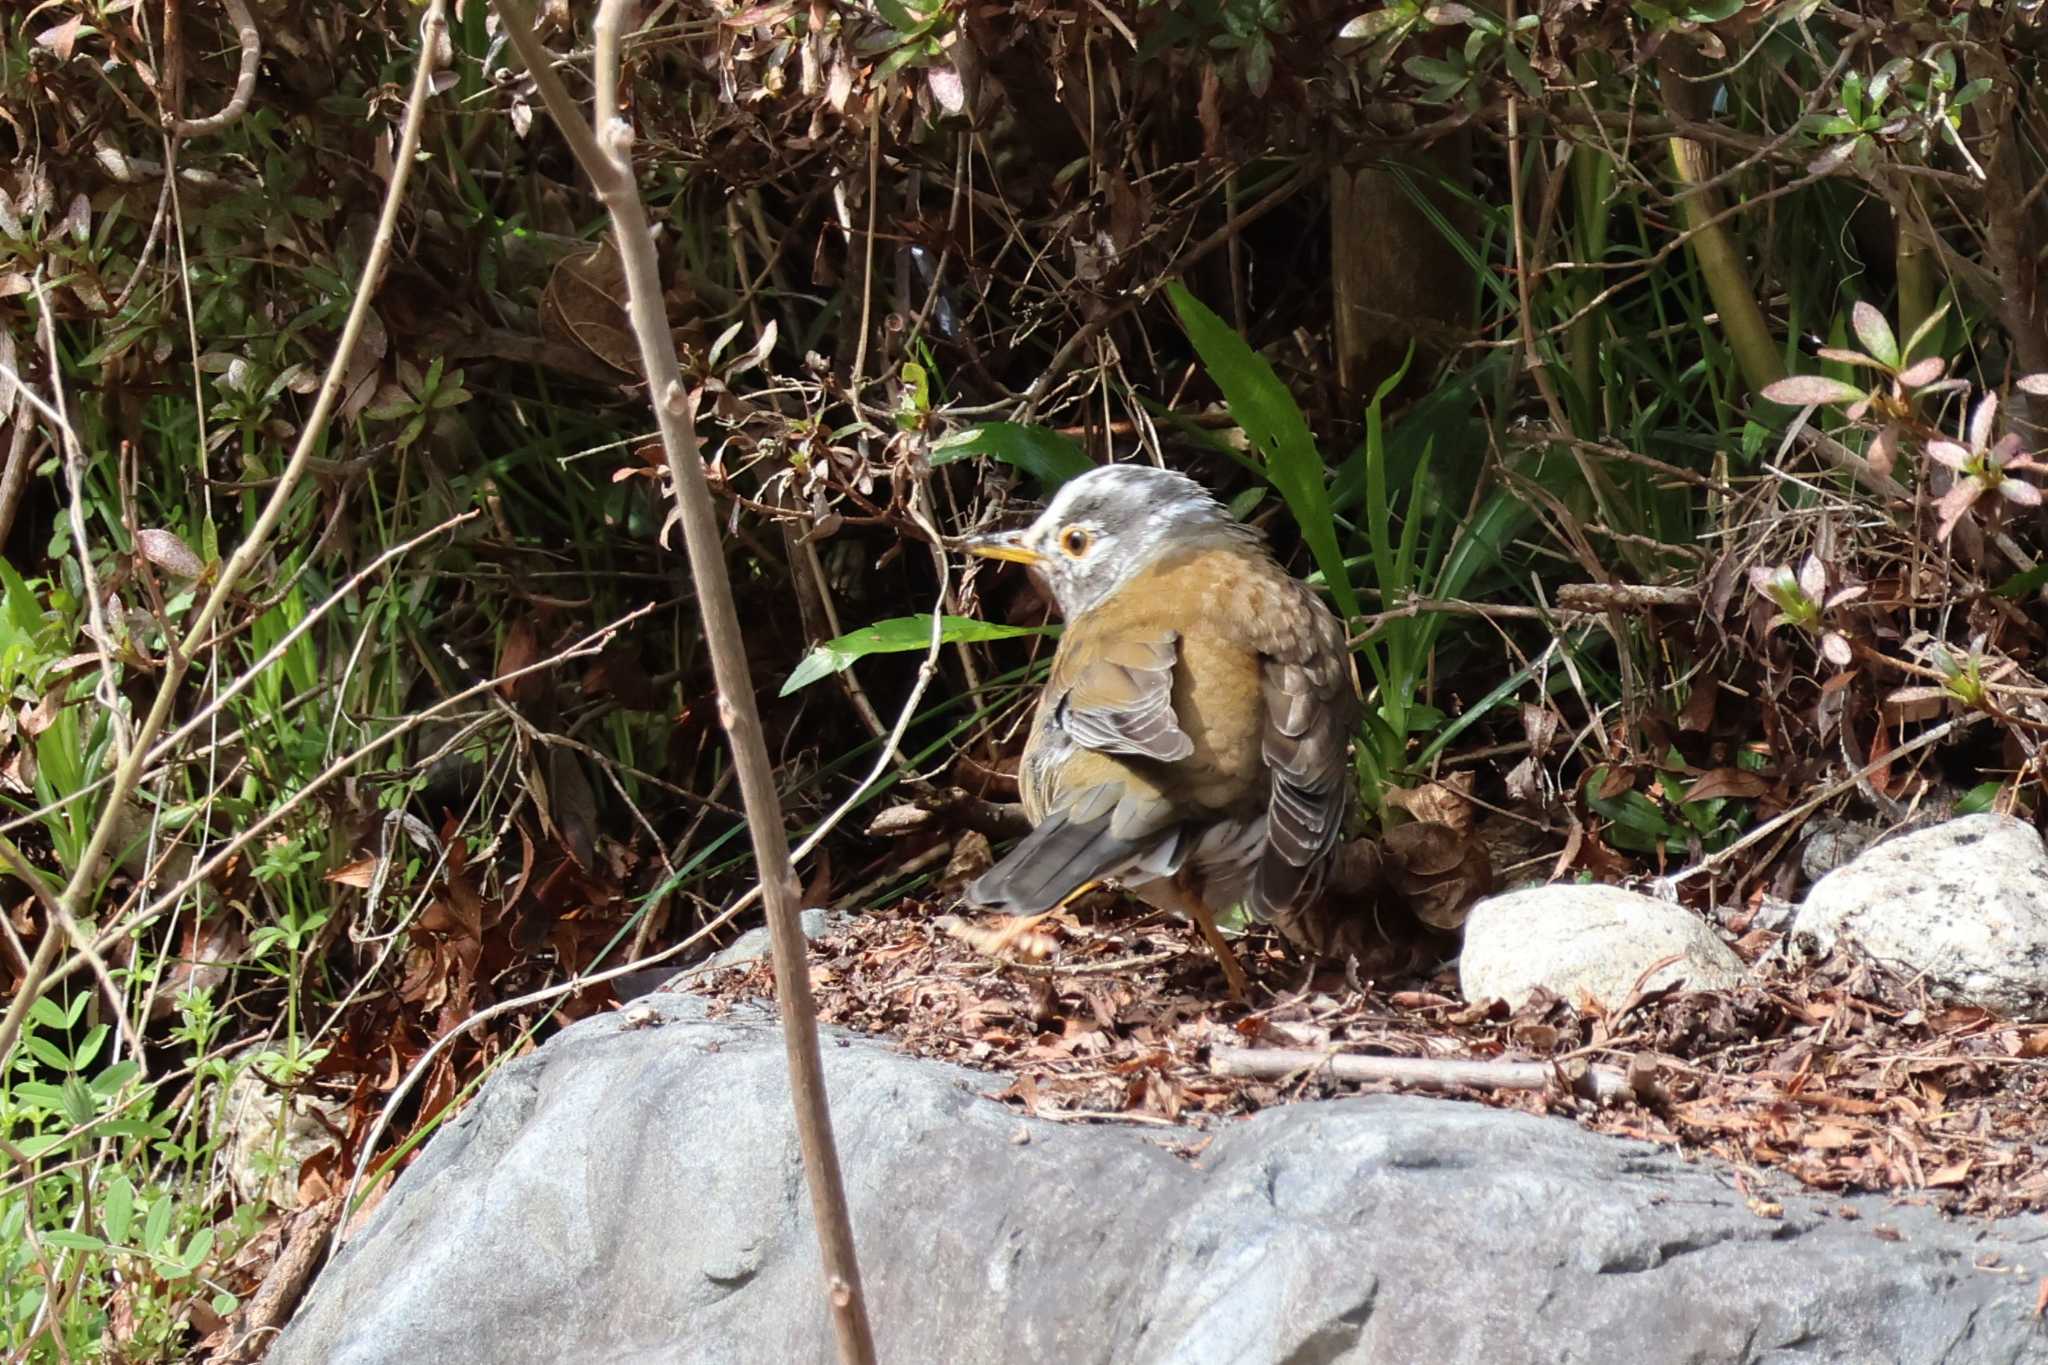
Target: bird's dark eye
{"x": 1075, "y": 540}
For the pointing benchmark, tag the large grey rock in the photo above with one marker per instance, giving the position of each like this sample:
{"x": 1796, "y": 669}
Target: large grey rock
{"x": 1962, "y": 905}
{"x": 633, "y": 1194}
{"x": 1581, "y": 940}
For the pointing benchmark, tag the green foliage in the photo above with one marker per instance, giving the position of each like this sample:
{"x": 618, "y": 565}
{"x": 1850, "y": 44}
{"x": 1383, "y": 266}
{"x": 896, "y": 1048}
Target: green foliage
{"x": 894, "y": 637}
{"x": 1666, "y": 821}
{"x": 1044, "y": 454}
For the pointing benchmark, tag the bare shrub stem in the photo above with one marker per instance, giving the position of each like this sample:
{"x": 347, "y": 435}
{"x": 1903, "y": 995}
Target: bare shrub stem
{"x": 604, "y": 152}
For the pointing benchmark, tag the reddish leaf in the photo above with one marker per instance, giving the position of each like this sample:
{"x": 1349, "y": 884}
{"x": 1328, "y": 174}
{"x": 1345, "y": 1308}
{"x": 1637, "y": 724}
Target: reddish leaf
{"x": 1805, "y": 390}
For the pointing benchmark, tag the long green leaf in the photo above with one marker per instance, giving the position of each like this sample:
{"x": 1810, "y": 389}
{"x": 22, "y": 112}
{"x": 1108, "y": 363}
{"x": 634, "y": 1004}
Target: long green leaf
{"x": 895, "y": 636}
{"x": 1041, "y": 452}
{"x": 1261, "y": 404}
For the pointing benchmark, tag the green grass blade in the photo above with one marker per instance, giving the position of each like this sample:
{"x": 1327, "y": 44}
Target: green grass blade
{"x": 895, "y": 636}
{"x": 1273, "y": 421}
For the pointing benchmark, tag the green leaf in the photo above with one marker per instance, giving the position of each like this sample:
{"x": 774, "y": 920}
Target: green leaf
{"x": 112, "y": 1078}
{"x": 117, "y": 1208}
{"x": 79, "y": 1105}
{"x": 2025, "y": 583}
{"x": 898, "y": 16}
{"x": 72, "y": 1241}
{"x": 197, "y": 1250}
{"x": 1433, "y": 71}
{"x": 46, "y": 1052}
{"x": 895, "y": 636}
{"x": 157, "y": 1224}
{"x": 1041, "y": 452}
{"x": 40, "y": 1094}
{"x": 1875, "y": 333}
{"x": 1524, "y": 74}
{"x": 141, "y": 1128}
{"x": 1261, "y": 404}
{"x": 1978, "y": 799}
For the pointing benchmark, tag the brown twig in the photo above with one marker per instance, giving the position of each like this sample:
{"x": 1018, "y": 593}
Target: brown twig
{"x": 14, "y": 477}
{"x": 604, "y": 153}
{"x": 1603, "y": 1084}
{"x": 245, "y": 79}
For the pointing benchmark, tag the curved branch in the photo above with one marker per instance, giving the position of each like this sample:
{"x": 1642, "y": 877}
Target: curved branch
{"x": 245, "y": 79}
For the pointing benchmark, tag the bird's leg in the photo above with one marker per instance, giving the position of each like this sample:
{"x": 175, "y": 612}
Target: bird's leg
{"x": 1233, "y": 970}
{"x": 1170, "y": 895}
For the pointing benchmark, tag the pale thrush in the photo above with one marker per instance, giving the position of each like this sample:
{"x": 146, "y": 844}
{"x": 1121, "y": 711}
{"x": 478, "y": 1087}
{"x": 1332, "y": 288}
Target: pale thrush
{"x": 1190, "y": 742}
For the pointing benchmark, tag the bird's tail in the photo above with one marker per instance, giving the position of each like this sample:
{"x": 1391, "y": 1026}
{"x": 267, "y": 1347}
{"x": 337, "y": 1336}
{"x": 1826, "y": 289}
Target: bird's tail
{"x": 1061, "y": 856}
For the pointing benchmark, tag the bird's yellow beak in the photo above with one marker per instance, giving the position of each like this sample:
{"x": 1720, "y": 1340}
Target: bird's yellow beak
{"x": 1001, "y": 545}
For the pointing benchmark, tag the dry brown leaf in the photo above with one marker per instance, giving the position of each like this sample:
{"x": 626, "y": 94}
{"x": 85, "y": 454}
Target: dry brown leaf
{"x": 1437, "y": 871}
{"x": 1736, "y": 782}
{"x": 972, "y": 856}
{"x": 361, "y": 874}
{"x": 585, "y": 303}
{"x": 1446, "y": 802}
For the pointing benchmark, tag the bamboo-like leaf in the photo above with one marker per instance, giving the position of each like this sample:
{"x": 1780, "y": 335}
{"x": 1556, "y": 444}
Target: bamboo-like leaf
{"x": 895, "y": 636}
{"x": 1041, "y": 452}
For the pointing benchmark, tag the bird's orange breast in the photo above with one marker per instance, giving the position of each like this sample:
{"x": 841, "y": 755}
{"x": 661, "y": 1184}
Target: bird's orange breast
{"x": 1218, "y": 602}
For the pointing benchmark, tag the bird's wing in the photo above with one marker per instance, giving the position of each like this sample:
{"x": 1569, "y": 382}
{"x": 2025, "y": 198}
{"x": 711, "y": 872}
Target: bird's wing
{"x": 1311, "y": 710}
{"x": 1098, "y": 815}
{"x": 1118, "y": 695}
{"x": 1101, "y": 820}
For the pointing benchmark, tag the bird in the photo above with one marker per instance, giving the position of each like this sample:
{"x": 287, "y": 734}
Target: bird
{"x": 1191, "y": 741}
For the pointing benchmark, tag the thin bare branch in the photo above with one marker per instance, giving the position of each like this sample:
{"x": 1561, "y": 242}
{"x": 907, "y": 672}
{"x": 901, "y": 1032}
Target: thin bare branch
{"x": 245, "y": 79}
{"x": 1601, "y": 1083}
{"x": 605, "y": 156}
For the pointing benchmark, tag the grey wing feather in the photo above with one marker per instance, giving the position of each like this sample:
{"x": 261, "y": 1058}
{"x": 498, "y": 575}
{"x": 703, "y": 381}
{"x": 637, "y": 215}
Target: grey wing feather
{"x": 1123, "y": 702}
{"x": 1310, "y": 712}
{"x": 1064, "y": 854}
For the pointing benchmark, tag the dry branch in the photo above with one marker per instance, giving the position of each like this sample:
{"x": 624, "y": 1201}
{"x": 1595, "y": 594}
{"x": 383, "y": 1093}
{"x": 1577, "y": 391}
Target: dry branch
{"x": 1601, "y": 1083}
{"x": 604, "y": 153}
{"x": 245, "y": 78}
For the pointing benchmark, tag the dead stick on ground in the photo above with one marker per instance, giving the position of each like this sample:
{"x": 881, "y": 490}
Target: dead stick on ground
{"x": 604, "y": 152}
{"x": 1601, "y": 1083}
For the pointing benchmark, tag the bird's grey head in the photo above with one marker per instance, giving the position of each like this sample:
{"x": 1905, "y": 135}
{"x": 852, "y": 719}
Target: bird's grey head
{"x": 1104, "y": 526}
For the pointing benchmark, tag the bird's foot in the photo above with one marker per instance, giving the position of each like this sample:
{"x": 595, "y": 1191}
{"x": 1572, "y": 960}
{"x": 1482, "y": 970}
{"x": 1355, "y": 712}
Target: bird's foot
{"x": 1004, "y": 936}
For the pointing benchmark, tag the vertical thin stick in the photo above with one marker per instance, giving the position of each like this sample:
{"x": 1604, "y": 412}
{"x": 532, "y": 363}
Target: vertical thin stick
{"x": 605, "y": 155}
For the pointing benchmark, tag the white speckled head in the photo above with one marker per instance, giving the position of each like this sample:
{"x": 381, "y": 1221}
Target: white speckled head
{"x": 1107, "y": 524}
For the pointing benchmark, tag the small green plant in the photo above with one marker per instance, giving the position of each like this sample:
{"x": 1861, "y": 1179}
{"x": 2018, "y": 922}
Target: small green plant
{"x": 1804, "y": 602}
{"x": 1673, "y": 815}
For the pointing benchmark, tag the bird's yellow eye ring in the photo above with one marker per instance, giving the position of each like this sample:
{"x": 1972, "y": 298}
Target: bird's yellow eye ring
{"x": 1075, "y": 540}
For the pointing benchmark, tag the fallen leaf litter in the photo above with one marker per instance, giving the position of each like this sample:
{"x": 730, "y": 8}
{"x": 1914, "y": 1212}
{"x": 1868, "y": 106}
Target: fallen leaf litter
{"x": 1840, "y": 1076}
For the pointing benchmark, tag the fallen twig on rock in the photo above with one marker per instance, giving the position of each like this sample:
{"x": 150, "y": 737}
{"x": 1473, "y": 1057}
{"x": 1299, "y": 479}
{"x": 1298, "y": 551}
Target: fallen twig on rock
{"x": 1604, "y": 1084}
